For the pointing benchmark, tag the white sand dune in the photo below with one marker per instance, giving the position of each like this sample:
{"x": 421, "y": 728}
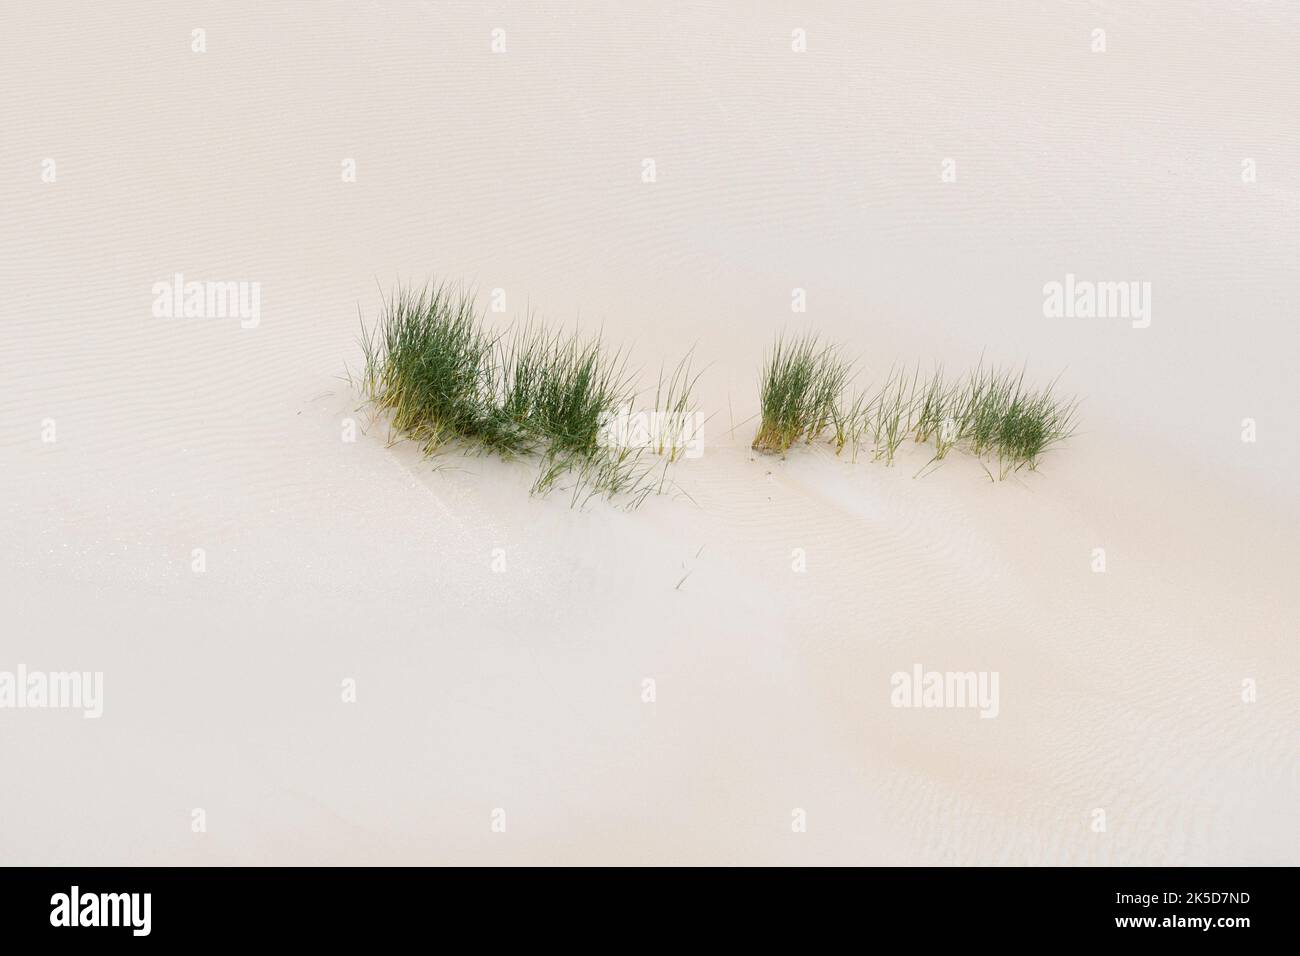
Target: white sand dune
{"x": 329, "y": 560}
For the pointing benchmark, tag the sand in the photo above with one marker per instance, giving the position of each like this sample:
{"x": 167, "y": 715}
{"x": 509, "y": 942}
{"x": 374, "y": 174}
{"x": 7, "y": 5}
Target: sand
{"x": 500, "y": 716}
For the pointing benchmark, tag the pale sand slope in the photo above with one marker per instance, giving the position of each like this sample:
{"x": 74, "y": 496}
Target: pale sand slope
{"x": 328, "y": 560}
{"x": 521, "y": 690}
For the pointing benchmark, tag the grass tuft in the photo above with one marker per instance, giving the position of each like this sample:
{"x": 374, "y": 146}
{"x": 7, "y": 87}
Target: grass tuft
{"x": 801, "y": 385}
{"x": 445, "y": 380}
{"x": 676, "y": 417}
{"x": 990, "y": 413}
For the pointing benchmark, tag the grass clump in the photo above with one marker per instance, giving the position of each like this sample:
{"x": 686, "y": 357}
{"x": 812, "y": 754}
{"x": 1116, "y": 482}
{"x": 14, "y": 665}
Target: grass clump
{"x": 801, "y": 384}
{"x": 428, "y": 363}
{"x": 553, "y": 390}
{"x": 1002, "y": 419}
{"x": 675, "y": 417}
{"x": 446, "y": 380}
{"x": 990, "y": 413}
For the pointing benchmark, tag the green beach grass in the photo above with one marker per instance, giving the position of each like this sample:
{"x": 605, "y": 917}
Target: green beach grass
{"x": 991, "y": 413}
{"x": 444, "y": 379}
{"x": 799, "y": 391}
